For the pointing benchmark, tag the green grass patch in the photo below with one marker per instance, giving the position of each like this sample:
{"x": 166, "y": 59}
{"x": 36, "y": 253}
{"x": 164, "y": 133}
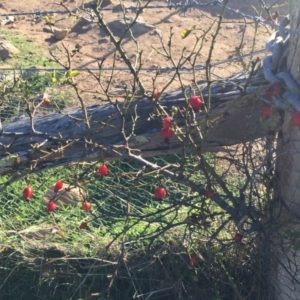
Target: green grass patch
{"x": 31, "y": 53}
{"x": 34, "y": 82}
{"x": 158, "y": 243}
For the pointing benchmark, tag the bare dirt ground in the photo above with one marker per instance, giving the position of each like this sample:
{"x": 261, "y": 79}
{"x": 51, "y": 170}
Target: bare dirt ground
{"x": 236, "y": 36}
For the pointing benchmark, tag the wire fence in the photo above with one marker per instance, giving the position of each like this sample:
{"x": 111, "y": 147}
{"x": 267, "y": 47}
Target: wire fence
{"x": 184, "y": 6}
{"x": 161, "y": 69}
{"x": 40, "y": 82}
{"x": 185, "y": 235}
{"x": 163, "y": 226}
{"x": 133, "y": 8}
{"x": 124, "y": 204}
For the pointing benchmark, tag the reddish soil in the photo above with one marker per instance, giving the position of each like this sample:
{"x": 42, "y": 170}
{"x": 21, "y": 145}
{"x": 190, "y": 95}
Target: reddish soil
{"x": 236, "y": 37}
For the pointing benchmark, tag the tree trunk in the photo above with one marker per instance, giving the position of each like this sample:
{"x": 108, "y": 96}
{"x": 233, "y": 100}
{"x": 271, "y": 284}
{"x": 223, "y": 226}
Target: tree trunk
{"x": 62, "y": 139}
{"x": 287, "y": 254}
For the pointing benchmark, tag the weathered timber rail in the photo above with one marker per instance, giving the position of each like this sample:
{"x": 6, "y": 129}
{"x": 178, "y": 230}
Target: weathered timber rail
{"x": 61, "y": 139}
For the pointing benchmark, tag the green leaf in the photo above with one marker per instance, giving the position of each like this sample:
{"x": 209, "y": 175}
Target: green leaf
{"x": 186, "y": 32}
{"x": 72, "y": 73}
{"x": 53, "y": 77}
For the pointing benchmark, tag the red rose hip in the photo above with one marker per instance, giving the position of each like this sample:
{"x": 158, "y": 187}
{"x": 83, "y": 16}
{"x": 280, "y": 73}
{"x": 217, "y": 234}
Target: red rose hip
{"x": 194, "y": 259}
{"x": 238, "y": 237}
{"x": 274, "y": 89}
{"x": 51, "y": 206}
{"x": 195, "y": 102}
{"x": 209, "y": 193}
{"x": 27, "y": 192}
{"x": 86, "y": 206}
{"x": 83, "y": 225}
{"x": 156, "y": 95}
{"x": 46, "y": 102}
{"x": 296, "y": 118}
{"x": 103, "y": 170}
{"x": 266, "y": 111}
{"x": 167, "y": 122}
{"x": 58, "y": 186}
{"x": 166, "y": 132}
{"x": 160, "y": 193}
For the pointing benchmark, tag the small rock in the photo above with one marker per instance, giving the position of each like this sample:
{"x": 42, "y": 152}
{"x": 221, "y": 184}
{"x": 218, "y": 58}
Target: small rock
{"x": 6, "y": 49}
{"x": 93, "y": 3}
{"x": 36, "y": 21}
{"x": 47, "y": 29}
{"x": 68, "y": 195}
{"x": 139, "y": 20}
{"x": 103, "y": 41}
{"x": 7, "y": 76}
{"x": 60, "y": 34}
{"x": 87, "y": 27}
{"x": 8, "y": 20}
{"x": 230, "y": 26}
{"x": 140, "y": 27}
